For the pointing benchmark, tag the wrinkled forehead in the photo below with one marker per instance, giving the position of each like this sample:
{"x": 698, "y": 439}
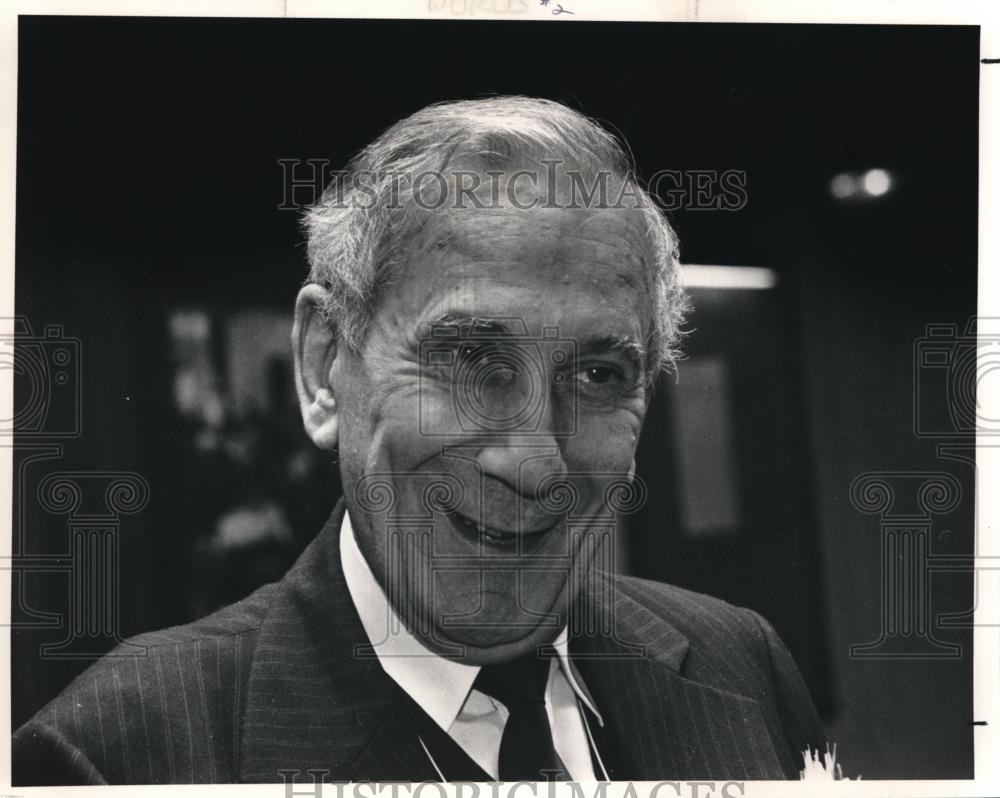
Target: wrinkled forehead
{"x": 580, "y": 269}
{"x": 554, "y": 233}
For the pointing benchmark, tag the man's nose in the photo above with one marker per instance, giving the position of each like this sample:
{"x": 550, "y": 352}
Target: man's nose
{"x": 527, "y": 464}
{"x": 527, "y": 458}
{"x": 528, "y": 453}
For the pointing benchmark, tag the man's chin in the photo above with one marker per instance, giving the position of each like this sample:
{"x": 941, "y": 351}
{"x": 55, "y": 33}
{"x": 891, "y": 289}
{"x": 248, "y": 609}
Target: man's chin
{"x": 488, "y": 646}
{"x": 490, "y": 626}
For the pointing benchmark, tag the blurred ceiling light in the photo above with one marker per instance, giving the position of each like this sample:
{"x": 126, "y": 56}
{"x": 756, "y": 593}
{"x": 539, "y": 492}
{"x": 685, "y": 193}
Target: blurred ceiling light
{"x": 844, "y": 186}
{"x": 738, "y": 277}
{"x": 851, "y": 185}
{"x": 876, "y": 182}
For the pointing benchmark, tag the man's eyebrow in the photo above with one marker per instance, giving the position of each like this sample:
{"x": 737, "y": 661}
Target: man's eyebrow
{"x": 469, "y": 323}
{"x": 626, "y": 344}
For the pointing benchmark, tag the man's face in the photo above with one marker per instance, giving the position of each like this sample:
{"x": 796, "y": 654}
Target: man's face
{"x": 501, "y": 367}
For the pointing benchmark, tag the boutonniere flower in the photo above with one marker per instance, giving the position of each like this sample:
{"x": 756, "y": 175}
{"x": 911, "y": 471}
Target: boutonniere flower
{"x": 825, "y": 768}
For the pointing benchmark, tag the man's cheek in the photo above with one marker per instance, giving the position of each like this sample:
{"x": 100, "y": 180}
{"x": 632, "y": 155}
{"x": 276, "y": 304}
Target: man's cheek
{"x": 604, "y": 445}
{"x": 395, "y": 438}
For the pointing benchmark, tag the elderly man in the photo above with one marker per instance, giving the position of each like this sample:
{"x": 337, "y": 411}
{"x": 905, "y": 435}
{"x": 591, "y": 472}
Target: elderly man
{"x": 491, "y": 296}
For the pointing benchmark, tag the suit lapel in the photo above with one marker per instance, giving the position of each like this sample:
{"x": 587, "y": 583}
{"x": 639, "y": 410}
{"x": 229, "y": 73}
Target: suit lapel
{"x": 313, "y": 703}
{"x": 657, "y": 723}
{"x": 393, "y": 753}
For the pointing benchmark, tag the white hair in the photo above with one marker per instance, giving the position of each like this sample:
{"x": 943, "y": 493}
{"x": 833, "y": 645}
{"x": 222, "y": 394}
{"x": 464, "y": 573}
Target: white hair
{"x": 354, "y": 245}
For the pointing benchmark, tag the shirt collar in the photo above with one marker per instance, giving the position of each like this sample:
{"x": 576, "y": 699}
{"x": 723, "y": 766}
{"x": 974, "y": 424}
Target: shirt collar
{"x": 438, "y": 685}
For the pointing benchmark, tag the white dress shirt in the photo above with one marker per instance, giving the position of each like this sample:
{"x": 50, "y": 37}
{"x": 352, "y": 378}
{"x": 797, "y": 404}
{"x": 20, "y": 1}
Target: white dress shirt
{"x": 442, "y": 688}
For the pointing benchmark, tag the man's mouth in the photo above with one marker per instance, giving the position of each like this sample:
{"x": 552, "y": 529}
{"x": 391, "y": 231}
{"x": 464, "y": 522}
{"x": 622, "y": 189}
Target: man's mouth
{"x": 478, "y": 531}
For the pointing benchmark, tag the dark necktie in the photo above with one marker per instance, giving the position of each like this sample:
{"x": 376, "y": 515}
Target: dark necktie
{"x": 526, "y": 749}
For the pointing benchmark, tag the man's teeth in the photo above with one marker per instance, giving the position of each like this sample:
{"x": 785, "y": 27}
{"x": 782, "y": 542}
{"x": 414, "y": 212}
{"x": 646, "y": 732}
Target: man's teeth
{"x": 470, "y": 524}
{"x": 483, "y": 530}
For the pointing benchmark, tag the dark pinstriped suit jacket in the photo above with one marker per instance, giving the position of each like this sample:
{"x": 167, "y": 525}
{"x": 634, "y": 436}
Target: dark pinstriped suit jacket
{"x": 689, "y": 688}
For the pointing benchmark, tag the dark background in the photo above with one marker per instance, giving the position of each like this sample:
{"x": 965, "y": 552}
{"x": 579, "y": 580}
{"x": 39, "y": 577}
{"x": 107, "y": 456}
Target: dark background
{"x": 149, "y": 227}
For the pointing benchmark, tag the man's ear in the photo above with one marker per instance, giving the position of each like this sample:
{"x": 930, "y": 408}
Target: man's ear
{"x": 314, "y": 347}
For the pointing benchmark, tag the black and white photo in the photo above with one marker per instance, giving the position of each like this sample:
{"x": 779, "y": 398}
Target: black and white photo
{"x": 537, "y": 399}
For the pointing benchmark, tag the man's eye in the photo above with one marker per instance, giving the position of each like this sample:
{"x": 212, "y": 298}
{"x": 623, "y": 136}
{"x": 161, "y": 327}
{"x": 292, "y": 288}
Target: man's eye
{"x": 460, "y": 356}
{"x": 598, "y": 375}
{"x": 600, "y": 382}
{"x": 479, "y": 353}
{"x": 486, "y": 366}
